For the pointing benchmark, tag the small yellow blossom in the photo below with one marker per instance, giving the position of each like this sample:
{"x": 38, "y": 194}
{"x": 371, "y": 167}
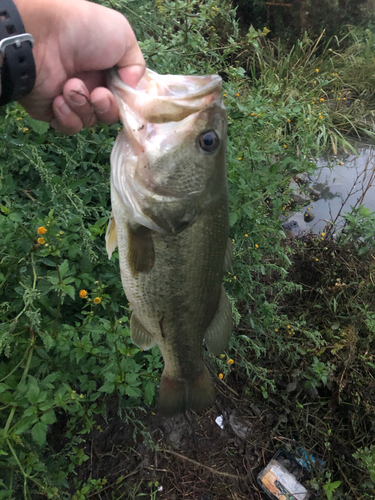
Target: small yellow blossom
{"x": 285, "y": 146}
{"x": 316, "y": 260}
{"x": 252, "y": 114}
{"x": 320, "y": 117}
{"x": 317, "y": 70}
{"x": 221, "y": 376}
{"x": 323, "y": 234}
{"x": 276, "y": 330}
{"x": 341, "y": 163}
{"x": 246, "y": 235}
{"x": 222, "y": 356}
{"x": 237, "y": 94}
{"x": 83, "y": 294}
{"x": 41, "y": 241}
{"x": 230, "y": 361}
{"x": 26, "y": 129}
{"x": 314, "y": 82}
{"x": 256, "y": 246}
{"x": 97, "y": 300}
{"x": 118, "y": 129}
{"x": 234, "y": 241}
{"x": 312, "y": 112}
{"x": 235, "y": 277}
{"x": 42, "y": 230}
{"x": 240, "y": 158}
{"x": 321, "y": 99}
{"x": 344, "y": 98}
{"x": 224, "y": 95}
{"x": 288, "y": 121}
{"x": 339, "y": 98}
{"x": 81, "y": 396}
{"x": 288, "y": 326}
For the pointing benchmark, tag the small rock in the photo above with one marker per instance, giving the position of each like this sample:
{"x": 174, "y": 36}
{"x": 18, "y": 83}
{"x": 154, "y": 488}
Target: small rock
{"x": 302, "y": 178}
{"x": 299, "y": 196}
{"x": 309, "y": 216}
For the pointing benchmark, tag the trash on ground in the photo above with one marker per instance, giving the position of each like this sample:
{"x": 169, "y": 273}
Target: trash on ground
{"x": 281, "y": 478}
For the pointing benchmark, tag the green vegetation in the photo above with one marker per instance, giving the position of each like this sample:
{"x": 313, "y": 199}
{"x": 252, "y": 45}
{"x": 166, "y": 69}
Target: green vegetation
{"x": 303, "y": 344}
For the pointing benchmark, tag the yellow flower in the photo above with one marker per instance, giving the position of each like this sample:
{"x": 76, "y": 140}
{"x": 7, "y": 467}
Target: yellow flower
{"x": 256, "y": 246}
{"x": 42, "y": 230}
{"x": 312, "y": 112}
{"x": 118, "y": 129}
{"x": 341, "y": 163}
{"x": 237, "y": 94}
{"x": 252, "y": 114}
{"x": 246, "y": 235}
{"x": 235, "y": 277}
{"x": 221, "y": 376}
{"x": 320, "y": 117}
{"x": 288, "y": 120}
{"x": 230, "y": 361}
{"x": 288, "y": 326}
{"x": 26, "y": 129}
{"x": 81, "y": 396}
{"x": 83, "y": 294}
{"x": 339, "y": 98}
{"x": 224, "y": 95}
{"x": 234, "y": 241}
{"x": 314, "y": 82}
{"x": 41, "y": 241}
{"x": 97, "y": 300}
{"x": 240, "y": 158}
{"x": 276, "y": 330}
{"x": 285, "y": 146}
{"x": 317, "y": 70}
{"x": 222, "y": 356}
{"x": 321, "y": 99}
{"x": 323, "y": 234}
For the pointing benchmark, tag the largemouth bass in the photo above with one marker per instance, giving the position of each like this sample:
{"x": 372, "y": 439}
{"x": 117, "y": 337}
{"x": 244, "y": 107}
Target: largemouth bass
{"x": 170, "y": 221}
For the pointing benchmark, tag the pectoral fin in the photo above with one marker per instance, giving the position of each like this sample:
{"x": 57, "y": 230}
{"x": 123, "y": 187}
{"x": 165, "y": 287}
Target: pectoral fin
{"x": 228, "y": 260}
{"x": 111, "y": 236}
{"x": 141, "y": 254}
{"x": 218, "y": 333}
{"x": 140, "y": 336}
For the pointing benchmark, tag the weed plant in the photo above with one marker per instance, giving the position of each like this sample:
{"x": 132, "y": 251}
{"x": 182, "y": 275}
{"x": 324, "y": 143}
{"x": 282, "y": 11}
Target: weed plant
{"x": 64, "y": 338}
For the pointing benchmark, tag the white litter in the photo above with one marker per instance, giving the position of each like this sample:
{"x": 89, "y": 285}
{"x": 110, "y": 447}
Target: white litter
{"x": 219, "y": 421}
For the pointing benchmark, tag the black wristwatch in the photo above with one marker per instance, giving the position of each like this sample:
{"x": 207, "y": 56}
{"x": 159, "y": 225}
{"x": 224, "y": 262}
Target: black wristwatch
{"x": 18, "y": 66}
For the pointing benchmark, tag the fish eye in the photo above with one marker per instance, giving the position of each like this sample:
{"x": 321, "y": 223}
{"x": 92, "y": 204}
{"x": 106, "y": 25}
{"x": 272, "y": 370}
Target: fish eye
{"x": 209, "y": 141}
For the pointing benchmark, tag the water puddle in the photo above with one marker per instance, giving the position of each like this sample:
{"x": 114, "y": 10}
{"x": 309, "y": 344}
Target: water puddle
{"x": 341, "y": 186}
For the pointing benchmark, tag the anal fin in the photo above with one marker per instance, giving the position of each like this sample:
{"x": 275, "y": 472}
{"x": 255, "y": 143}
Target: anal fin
{"x": 140, "y": 336}
{"x": 141, "y": 253}
{"x": 219, "y": 332}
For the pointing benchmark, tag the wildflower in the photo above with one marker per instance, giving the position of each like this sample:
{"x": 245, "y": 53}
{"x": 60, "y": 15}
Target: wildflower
{"x": 25, "y": 129}
{"x": 97, "y": 300}
{"x": 221, "y": 376}
{"x": 83, "y": 294}
{"x": 323, "y": 234}
{"x": 235, "y": 277}
{"x": 339, "y": 98}
{"x": 240, "y": 158}
{"x": 341, "y": 163}
{"x": 288, "y": 326}
{"x": 42, "y": 230}
{"x": 237, "y": 94}
{"x": 252, "y": 114}
{"x": 61, "y": 233}
{"x": 256, "y": 246}
{"x": 222, "y": 356}
{"x": 312, "y": 112}
{"x": 81, "y": 396}
{"x": 285, "y": 146}
{"x": 118, "y": 129}
{"x": 320, "y": 117}
{"x": 224, "y": 95}
{"x": 288, "y": 121}
{"x": 41, "y": 241}
{"x": 316, "y": 260}
{"x": 234, "y": 241}
{"x": 246, "y": 235}
{"x": 314, "y": 82}
{"x": 317, "y": 70}
{"x": 276, "y": 330}
{"x": 321, "y": 99}
{"x": 344, "y": 98}
{"x": 230, "y": 361}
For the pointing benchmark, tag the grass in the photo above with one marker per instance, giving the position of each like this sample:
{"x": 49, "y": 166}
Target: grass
{"x": 72, "y": 385}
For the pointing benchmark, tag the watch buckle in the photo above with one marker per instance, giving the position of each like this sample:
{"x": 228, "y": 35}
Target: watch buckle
{"x": 15, "y": 40}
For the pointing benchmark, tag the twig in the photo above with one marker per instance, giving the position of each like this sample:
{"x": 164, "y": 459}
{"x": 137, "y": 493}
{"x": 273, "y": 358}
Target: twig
{"x": 214, "y": 471}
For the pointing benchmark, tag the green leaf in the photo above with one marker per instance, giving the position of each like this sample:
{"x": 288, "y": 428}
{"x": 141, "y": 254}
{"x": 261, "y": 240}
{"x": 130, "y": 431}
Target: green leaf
{"x": 49, "y": 417}
{"x": 33, "y": 390}
{"x": 63, "y": 268}
{"x": 39, "y": 432}
{"x": 149, "y": 392}
{"x": 38, "y": 126}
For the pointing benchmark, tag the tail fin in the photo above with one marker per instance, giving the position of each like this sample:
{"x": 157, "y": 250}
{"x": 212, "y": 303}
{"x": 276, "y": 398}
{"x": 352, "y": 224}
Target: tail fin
{"x": 177, "y": 395}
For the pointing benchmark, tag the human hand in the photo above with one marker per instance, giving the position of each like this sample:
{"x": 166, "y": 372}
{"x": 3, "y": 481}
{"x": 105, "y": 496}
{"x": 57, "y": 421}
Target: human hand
{"x": 75, "y": 42}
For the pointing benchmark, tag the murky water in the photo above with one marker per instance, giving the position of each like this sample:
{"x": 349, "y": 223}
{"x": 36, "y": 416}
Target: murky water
{"x": 340, "y": 186}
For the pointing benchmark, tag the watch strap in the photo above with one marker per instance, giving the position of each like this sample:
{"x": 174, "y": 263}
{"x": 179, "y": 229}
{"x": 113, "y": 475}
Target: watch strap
{"x": 18, "y": 72}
